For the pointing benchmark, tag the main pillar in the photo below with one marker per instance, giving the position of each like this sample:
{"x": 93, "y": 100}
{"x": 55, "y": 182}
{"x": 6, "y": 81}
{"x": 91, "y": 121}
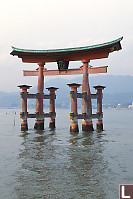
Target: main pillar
{"x": 39, "y": 122}
{"x": 99, "y": 107}
{"x": 52, "y": 107}
{"x": 24, "y": 124}
{"x": 74, "y": 112}
{"x": 86, "y": 102}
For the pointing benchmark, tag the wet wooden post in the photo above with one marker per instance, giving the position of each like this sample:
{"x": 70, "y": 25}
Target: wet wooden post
{"x": 99, "y": 107}
{"x": 74, "y": 112}
{"x": 24, "y": 113}
{"x": 52, "y": 106}
{"x": 39, "y": 122}
{"x": 86, "y": 102}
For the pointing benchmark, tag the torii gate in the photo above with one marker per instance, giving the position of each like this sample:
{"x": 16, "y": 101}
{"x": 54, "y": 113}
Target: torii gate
{"x": 62, "y": 57}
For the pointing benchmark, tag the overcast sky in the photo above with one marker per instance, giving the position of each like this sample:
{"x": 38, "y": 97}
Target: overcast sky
{"x": 46, "y": 24}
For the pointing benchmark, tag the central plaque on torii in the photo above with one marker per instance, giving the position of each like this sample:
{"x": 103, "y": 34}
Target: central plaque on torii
{"x": 62, "y": 57}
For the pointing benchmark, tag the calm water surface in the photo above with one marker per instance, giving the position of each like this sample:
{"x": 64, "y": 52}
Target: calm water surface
{"x": 57, "y": 165}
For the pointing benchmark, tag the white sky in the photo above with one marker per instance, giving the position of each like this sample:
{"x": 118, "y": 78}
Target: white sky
{"x": 46, "y": 24}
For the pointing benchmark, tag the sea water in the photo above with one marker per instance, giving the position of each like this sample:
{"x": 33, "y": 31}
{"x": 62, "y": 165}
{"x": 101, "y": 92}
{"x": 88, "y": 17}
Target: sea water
{"x": 57, "y": 165}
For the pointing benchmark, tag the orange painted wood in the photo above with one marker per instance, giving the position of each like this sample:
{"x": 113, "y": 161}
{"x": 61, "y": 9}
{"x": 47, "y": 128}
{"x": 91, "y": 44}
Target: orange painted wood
{"x": 67, "y": 57}
{"x": 102, "y": 69}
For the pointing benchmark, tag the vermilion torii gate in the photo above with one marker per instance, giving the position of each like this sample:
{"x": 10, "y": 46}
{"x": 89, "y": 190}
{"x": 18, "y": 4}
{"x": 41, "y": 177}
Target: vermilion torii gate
{"x": 62, "y": 57}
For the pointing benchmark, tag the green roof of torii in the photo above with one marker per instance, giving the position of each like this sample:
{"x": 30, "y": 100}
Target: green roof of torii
{"x": 17, "y": 50}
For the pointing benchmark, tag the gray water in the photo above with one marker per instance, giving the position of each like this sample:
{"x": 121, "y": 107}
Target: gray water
{"x": 58, "y": 165}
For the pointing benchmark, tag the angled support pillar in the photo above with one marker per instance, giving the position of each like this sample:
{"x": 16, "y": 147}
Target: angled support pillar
{"x": 99, "y": 107}
{"x": 23, "y": 115}
{"x": 74, "y": 113}
{"x": 86, "y": 102}
{"x": 52, "y": 107}
{"x": 39, "y": 121}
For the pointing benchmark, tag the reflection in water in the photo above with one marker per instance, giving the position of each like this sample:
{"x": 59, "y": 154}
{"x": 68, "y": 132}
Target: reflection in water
{"x": 51, "y": 167}
{"x": 88, "y": 166}
{"x": 46, "y": 164}
{"x": 34, "y": 173}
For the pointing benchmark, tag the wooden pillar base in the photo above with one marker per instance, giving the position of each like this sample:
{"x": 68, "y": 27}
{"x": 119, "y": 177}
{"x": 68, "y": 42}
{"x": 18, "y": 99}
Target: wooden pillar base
{"x": 74, "y": 127}
{"x": 99, "y": 125}
{"x": 24, "y": 126}
{"x": 52, "y": 124}
{"x": 39, "y": 125}
{"x": 87, "y": 126}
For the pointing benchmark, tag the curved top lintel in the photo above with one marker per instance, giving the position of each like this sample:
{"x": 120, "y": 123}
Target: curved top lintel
{"x": 66, "y": 53}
